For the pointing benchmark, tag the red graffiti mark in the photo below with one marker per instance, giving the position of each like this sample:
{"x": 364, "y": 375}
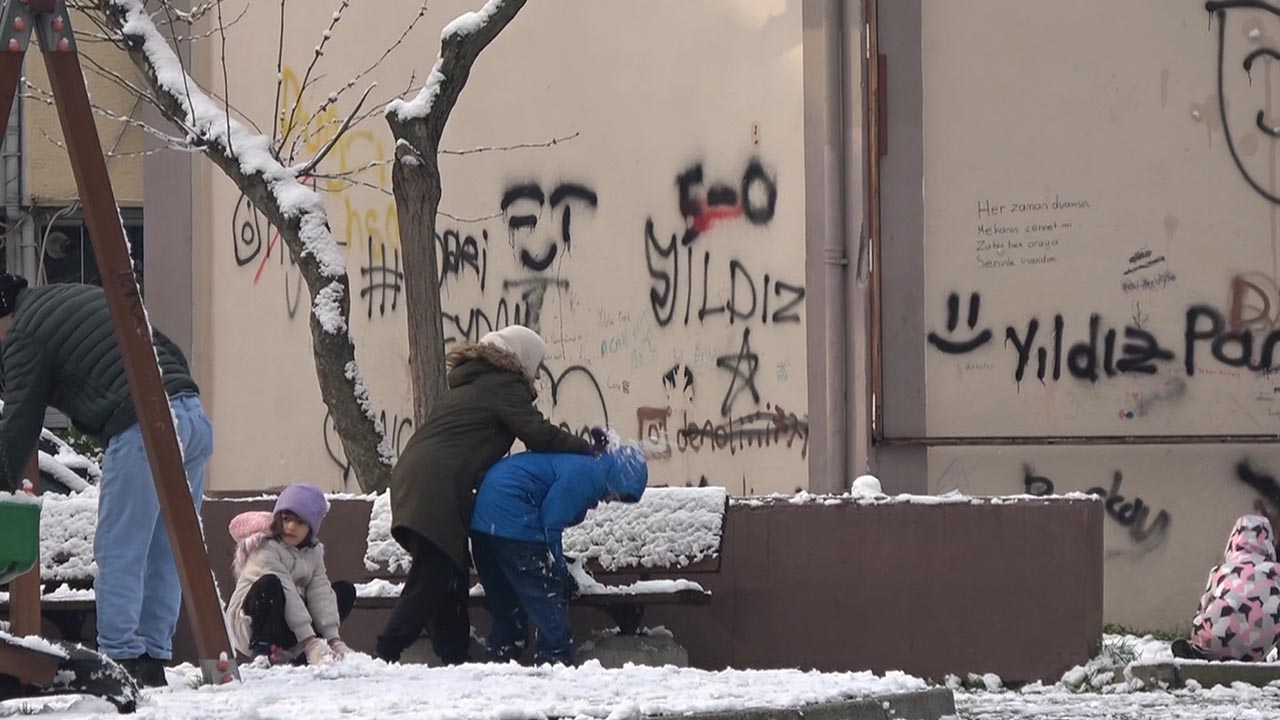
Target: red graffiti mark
{"x": 275, "y": 237}
{"x": 709, "y": 215}
{"x": 258, "y": 275}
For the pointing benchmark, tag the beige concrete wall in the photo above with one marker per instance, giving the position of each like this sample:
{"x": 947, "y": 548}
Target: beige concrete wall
{"x": 699, "y": 345}
{"x": 1079, "y": 184}
{"x": 49, "y": 178}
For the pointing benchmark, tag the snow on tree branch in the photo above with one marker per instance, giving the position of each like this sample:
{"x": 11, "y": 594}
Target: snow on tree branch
{"x": 207, "y": 120}
{"x": 422, "y": 119}
{"x": 297, "y": 211}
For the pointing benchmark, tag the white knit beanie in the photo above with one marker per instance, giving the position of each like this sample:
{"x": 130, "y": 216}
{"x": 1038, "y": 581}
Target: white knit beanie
{"x": 521, "y": 342}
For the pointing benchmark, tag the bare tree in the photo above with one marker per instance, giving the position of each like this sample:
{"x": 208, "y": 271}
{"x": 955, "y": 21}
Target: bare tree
{"x": 264, "y": 168}
{"x": 296, "y": 211}
{"x": 418, "y": 126}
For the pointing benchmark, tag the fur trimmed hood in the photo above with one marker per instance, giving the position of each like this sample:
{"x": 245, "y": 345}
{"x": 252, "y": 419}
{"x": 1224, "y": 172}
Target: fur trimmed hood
{"x": 495, "y": 356}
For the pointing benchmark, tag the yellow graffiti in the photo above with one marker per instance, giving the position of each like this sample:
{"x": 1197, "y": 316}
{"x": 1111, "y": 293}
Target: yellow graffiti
{"x": 367, "y": 217}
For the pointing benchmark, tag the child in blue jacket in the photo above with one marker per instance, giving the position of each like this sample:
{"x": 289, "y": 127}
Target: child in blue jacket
{"x": 522, "y": 508}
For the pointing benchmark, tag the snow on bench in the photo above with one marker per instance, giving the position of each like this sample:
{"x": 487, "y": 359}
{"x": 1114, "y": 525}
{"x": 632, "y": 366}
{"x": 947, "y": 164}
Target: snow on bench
{"x": 670, "y": 528}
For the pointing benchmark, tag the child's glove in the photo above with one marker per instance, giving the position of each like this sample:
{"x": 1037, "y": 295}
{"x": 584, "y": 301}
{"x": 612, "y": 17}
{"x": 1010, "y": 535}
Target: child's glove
{"x": 599, "y": 440}
{"x": 339, "y": 648}
{"x": 318, "y": 652}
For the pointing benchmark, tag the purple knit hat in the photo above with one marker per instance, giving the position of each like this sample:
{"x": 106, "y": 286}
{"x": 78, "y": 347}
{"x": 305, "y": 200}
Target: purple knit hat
{"x": 305, "y": 501}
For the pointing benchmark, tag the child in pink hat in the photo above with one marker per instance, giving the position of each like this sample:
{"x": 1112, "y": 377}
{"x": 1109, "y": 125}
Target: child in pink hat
{"x": 284, "y": 606}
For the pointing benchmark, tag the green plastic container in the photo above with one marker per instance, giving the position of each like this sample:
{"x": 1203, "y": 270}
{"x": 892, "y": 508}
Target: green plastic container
{"x": 19, "y": 537}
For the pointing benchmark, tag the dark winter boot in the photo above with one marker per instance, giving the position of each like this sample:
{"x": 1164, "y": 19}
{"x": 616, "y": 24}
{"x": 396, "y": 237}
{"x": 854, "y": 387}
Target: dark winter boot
{"x": 1183, "y": 649}
{"x": 146, "y": 670}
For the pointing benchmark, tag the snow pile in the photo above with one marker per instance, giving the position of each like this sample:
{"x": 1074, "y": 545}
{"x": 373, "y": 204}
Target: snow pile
{"x": 362, "y": 687}
{"x": 669, "y": 528}
{"x": 67, "y": 526}
{"x": 380, "y": 549}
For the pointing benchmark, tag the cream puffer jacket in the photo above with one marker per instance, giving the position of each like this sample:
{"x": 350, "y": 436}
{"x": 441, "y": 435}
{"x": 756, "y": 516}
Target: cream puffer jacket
{"x": 310, "y": 606}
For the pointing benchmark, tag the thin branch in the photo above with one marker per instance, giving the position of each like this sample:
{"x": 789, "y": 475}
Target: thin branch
{"x": 226, "y": 84}
{"x": 306, "y": 78}
{"x": 44, "y": 96}
{"x": 186, "y": 82}
{"x": 422, "y": 12}
{"x": 276, "y": 112}
{"x": 349, "y": 182}
{"x": 333, "y": 141}
{"x": 518, "y": 146}
{"x": 473, "y": 220}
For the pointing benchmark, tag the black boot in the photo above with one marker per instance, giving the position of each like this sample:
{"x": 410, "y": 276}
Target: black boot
{"x": 146, "y": 670}
{"x": 1183, "y": 649}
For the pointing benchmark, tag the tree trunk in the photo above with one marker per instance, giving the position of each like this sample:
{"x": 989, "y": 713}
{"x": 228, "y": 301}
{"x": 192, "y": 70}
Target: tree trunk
{"x": 416, "y": 184}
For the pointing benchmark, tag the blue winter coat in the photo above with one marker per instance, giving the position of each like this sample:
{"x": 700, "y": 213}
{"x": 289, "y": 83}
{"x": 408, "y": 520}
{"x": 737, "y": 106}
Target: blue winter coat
{"x": 533, "y": 497}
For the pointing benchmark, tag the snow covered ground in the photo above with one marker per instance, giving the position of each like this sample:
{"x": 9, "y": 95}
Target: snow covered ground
{"x": 361, "y": 687}
{"x": 1101, "y": 689}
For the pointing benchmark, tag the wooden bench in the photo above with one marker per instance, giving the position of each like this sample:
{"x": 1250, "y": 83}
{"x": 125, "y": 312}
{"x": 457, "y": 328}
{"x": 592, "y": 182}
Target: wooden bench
{"x": 630, "y": 555}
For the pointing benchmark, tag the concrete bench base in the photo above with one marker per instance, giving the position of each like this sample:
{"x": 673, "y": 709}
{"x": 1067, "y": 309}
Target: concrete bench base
{"x": 929, "y": 704}
{"x": 1176, "y": 673}
{"x": 614, "y": 651}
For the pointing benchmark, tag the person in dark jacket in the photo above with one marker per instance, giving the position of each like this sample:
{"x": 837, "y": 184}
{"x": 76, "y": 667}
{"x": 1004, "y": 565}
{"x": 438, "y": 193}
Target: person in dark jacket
{"x": 524, "y": 505}
{"x": 488, "y": 405}
{"x": 60, "y": 350}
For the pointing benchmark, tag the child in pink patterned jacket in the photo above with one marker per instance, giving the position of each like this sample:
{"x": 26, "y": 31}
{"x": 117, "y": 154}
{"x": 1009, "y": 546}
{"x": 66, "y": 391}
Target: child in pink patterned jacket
{"x": 1239, "y": 617}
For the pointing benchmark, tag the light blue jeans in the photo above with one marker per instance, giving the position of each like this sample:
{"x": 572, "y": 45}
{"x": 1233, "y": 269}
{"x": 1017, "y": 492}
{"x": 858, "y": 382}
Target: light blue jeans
{"x": 137, "y": 589}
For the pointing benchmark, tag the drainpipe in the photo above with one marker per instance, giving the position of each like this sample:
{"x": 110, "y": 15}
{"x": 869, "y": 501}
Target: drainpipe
{"x": 835, "y": 255}
{"x": 17, "y": 236}
{"x": 21, "y": 224}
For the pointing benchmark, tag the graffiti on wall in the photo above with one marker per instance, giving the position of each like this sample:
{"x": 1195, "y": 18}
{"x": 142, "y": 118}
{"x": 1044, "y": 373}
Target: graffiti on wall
{"x": 1146, "y": 531}
{"x": 699, "y": 278}
{"x": 1103, "y": 351}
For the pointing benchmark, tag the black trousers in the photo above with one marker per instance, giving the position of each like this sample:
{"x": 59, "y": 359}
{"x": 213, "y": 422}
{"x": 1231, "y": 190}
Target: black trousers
{"x": 435, "y": 598}
{"x": 265, "y": 607}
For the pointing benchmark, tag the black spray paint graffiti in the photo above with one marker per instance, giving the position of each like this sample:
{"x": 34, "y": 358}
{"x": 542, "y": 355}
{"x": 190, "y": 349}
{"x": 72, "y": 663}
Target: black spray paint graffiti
{"x": 398, "y": 430}
{"x": 1264, "y": 124}
{"x": 742, "y": 366}
{"x": 1090, "y": 359}
{"x": 1262, "y": 483}
{"x": 751, "y": 296}
{"x": 378, "y": 276}
{"x": 1132, "y": 515}
{"x": 522, "y": 205}
{"x": 461, "y": 254}
{"x": 580, "y": 384}
{"x": 755, "y": 200}
{"x": 253, "y": 238}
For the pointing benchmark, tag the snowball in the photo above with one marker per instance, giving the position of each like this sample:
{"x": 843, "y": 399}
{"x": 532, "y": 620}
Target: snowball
{"x": 866, "y": 486}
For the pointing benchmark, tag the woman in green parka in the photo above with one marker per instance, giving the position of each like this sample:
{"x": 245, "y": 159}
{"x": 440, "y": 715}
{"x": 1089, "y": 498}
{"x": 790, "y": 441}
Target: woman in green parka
{"x": 488, "y": 405}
